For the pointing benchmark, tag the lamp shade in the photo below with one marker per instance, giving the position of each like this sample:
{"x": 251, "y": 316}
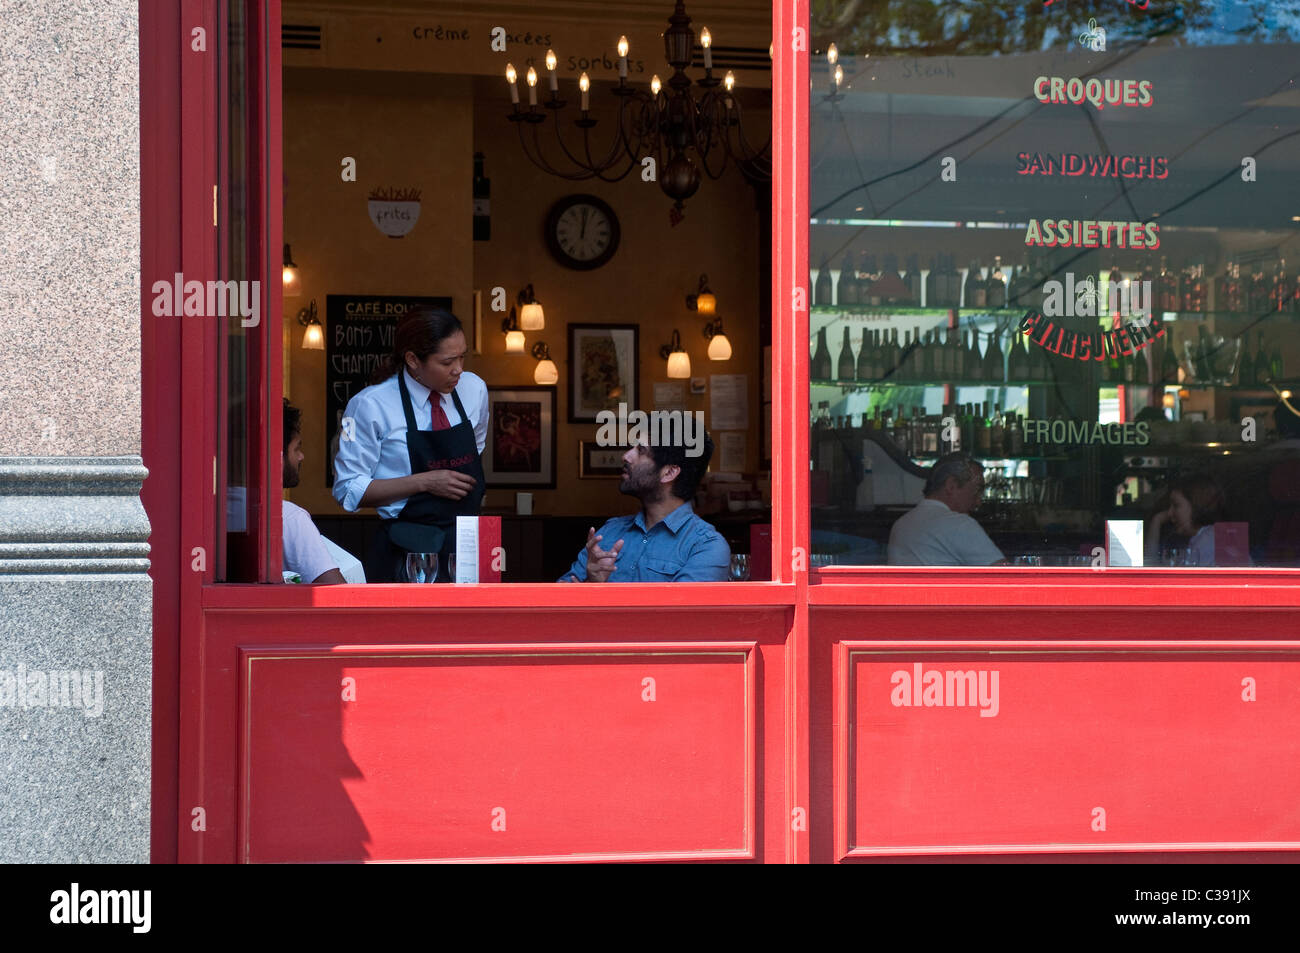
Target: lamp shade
{"x": 514, "y": 342}
{"x": 706, "y": 303}
{"x": 719, "y": 348}
{"x": 546, "y": 372}
{"x": 679, "y": 365}
{"x": 531, "y": 317}
{"x": 290, "y": 284}
{"x": 313, "y": 339}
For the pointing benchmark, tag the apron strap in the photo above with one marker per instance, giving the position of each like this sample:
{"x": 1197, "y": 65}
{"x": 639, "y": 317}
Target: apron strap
{"x": 460, "y": 408}
{"x": 406, "y": 400}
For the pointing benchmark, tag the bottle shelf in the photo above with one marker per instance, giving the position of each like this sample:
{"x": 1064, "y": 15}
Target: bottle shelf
{"x": 1014, "y": 310}
{"x": 886, "y": 385}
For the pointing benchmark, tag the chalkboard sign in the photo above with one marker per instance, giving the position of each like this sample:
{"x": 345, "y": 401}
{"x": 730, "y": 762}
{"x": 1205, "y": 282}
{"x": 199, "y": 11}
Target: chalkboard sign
{"x": 358, "y": 336}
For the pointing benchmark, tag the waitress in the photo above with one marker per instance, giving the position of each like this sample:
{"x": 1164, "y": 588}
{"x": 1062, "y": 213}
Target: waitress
{"x": 414, "y": 450}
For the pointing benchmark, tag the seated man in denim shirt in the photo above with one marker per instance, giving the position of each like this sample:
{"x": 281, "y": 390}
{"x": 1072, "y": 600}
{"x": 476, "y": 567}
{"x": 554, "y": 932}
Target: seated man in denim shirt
{"x": 665, "y": 541}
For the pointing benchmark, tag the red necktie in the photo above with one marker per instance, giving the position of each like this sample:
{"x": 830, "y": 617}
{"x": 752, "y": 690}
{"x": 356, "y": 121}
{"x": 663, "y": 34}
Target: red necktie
{"x": 440, "y": 421}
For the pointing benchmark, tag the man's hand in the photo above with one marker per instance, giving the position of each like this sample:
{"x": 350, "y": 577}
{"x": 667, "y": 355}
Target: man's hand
{"x": 449, "y": 484}
{"x": 601, "y": 563}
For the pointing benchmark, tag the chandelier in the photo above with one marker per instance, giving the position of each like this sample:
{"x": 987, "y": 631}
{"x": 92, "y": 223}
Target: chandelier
{"x": 683, "y": 130}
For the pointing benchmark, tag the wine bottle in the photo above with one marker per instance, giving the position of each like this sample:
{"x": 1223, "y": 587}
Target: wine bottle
{"x": 823, "y": 290}
{"x": 1201, "y": 365}
{"x": 932, "y": 291}
{"x": 1018, "y": 362}
{"x": 976, "y": 293}
{"x": 1167, "y": 288}
{"x": 1246, "y": 369}
{"x": 998, "y": 433}
{"x": 865, "y": 279}
{"x": 482, "y": 201}
{"x": 1275, "y": 366}
{"x": 1015, "y": 437}
{"x": 996, "y": 286}
{"x": 994, "y": 370}
{"x": 821, "y": 359}
{"x": 846, "y": 291}
{"x": 1142, "y": 374}
{"x": 912, "y": 279}
{"x": 1227, "y": 292}
{"x": 865, "y": 371}
{"x": 984, "y": 432}
{"x": 846, "y": 365}
{"x": 968, "y": 428}
{"x": 1259, "y": 290}
{"x": 1262, "y": 370}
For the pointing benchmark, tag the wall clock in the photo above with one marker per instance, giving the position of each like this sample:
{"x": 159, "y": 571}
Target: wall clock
{"x": 582, "y": 232}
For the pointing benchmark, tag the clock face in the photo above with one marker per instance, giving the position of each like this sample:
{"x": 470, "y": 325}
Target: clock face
{"x": 582, "y": 232}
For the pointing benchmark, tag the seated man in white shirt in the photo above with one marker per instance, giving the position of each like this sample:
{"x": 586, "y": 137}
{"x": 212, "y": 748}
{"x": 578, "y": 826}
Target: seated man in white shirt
{"x": 938, "y": 531}
{"x": 304, "y": 548}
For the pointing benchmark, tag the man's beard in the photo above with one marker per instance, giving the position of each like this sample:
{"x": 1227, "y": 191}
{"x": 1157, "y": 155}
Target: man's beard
{"x": 291, "y": 478}
{"x": 632, "y": 487}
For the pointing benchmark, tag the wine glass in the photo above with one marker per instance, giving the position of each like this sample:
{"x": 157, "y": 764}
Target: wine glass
{"x": 739, "y": 567}
{"x": 421, "y": 567}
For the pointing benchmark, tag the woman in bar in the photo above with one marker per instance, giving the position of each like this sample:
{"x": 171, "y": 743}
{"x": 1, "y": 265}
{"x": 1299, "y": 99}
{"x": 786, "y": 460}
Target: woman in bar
{"x": 1195, "y": 505}
{"x": 414, "y": 443}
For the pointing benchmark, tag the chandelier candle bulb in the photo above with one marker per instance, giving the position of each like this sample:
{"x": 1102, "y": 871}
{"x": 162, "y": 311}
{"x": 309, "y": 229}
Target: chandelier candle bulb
{"x": 729, "y": 81}
{"x": 551, "y": 63}
{"x": 839, "y": 75}
{"x": 655, "y": 85}
{"x": 706, "y": 41}
{"x": 832, "y": 54}
{"x": 622, "y": 57}
{"x": 511, "y": 77}
{"x": 584, "y": 84}
{"x": 532, "y": 86}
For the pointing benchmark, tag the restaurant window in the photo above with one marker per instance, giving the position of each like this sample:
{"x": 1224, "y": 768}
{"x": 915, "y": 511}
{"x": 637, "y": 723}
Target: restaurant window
{"x": 599, "y": 223}
{"x": 1060, "y": 239}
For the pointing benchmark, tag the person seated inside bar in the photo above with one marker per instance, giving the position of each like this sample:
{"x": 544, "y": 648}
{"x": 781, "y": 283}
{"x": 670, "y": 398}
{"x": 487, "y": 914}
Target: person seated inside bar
{"x": 305, "y": 552}
{"x": 665, "y": 541}
{"x": 1196, "y": 503}
{"x": 939, "y": 531}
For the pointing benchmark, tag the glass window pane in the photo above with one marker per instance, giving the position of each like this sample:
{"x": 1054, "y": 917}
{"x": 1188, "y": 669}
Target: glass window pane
{"x": 1062, "y": 240}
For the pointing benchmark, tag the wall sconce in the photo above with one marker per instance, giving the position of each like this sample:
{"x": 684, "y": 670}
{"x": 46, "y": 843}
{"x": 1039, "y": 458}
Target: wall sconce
{"x": 313, "y": 339}
{"x": 531, "y": 316}
{"x": 704, "y": 301}
{"x": 289, "y": 283}
{"x": 719, "y": 346}
{"x": 514, "y": 336}
{"x": 679, "y": 362}
{"x": 546, "y": 371}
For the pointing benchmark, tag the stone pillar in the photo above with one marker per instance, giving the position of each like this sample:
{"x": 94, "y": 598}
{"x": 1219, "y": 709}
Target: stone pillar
{"x": 75, "y": 597}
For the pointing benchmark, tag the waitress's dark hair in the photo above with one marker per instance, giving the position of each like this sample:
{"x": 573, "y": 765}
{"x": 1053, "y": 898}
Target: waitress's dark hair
{"x": 420, "y": 331}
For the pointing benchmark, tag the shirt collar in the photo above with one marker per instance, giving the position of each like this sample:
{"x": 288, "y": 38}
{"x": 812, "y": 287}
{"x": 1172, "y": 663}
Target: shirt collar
{"x": 674, "y": 520}
{"x": 419, "y": 393}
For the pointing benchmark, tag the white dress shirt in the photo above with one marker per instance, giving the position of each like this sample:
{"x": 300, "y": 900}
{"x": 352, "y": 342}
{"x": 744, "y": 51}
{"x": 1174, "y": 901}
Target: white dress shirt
{"x": 930, "y": 534}
{"x": 304, "y": 547}
{"x": 377, "y": 450}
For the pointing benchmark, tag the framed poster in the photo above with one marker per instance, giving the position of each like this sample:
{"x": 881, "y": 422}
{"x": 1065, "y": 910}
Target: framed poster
{"x": 603, "y": 369}
{"x": 520, "y": 448}
{"x": 599, "y": 463}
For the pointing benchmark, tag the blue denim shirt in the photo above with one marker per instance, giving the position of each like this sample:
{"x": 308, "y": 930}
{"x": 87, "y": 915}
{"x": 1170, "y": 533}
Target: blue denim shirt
{"x": 681, "y": 547}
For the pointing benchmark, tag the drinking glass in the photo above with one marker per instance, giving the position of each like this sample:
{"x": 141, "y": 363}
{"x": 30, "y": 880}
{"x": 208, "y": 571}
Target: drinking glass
{"x": 739, "y": 567}
{"x": 451, "y": 566}
{"x": 421, "y": 567}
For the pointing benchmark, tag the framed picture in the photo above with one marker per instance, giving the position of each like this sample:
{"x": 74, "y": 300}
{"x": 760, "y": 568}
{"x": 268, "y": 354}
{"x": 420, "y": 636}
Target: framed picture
{"x": 603, "y": 363}
{"x": 599, "y": 463}
{"x": 520, "y": 449}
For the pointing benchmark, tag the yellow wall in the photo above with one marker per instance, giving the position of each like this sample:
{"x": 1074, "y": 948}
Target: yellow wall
{"x": 422, "y": 131}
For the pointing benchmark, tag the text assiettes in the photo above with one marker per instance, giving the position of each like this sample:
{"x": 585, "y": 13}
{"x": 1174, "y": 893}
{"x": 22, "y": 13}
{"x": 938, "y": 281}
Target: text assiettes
{"x": 1073, "y": 233}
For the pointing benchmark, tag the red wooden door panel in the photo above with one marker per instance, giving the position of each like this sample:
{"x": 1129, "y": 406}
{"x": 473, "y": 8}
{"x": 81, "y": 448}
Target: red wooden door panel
{"x": 1077, "y": 749}
{"x": 432, "y": 752}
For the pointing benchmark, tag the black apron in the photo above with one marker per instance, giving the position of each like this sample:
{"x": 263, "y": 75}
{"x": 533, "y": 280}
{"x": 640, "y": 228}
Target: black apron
{"x": 427, "y": 523}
